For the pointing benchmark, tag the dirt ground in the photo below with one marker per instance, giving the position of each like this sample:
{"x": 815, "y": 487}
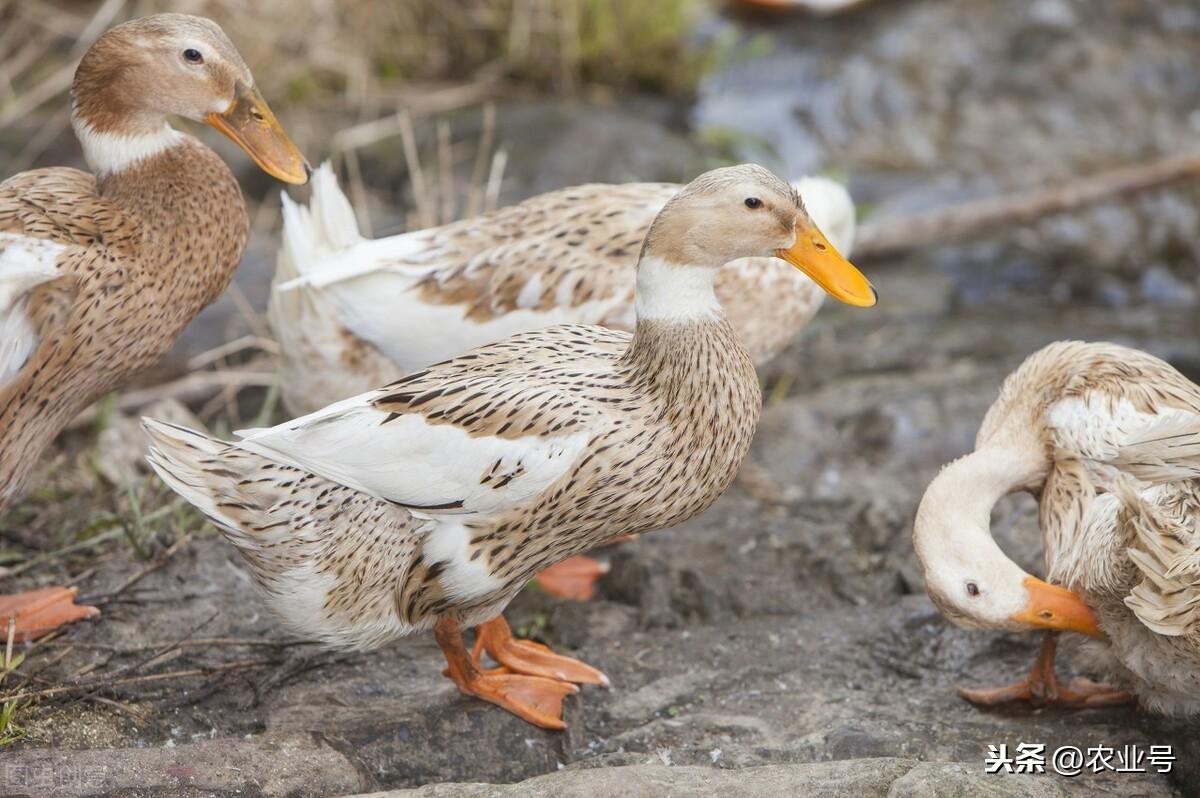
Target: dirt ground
{"x": 781, "y": 643}
{"x": 786, "y": 626}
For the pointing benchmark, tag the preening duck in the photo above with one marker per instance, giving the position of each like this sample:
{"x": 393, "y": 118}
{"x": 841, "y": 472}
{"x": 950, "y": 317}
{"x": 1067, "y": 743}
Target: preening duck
{"x": 100, "y": 272}
{"x": 1109, "y": 439}
{"x": 429, "y": 503}
{"x": 352, "y": 313}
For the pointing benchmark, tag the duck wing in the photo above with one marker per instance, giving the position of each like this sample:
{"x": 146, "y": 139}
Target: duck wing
{"x": 562, "y": 257}
{"x": 475, "y": 435}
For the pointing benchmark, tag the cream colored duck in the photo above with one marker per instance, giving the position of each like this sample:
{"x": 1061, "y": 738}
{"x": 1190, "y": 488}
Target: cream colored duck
{"x": 100, "y": 272}
{"x": 1109, "y": 439}
{"x": 352, "y": 313}
{"x": 430, "y": 502}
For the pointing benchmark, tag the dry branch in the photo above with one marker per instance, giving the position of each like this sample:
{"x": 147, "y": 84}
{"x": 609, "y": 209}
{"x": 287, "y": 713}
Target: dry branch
{"x": 890, "y": 235}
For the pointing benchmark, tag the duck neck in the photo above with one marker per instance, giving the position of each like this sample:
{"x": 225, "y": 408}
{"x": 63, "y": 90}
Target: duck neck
{"x": 177, "y": 195}
{"x": 114, "y": 121}
{"x": 967, "y": 490}
{"x": 681, "y": 334}
{"x": 111, "y": 152}
{"x": 674, "y": 293}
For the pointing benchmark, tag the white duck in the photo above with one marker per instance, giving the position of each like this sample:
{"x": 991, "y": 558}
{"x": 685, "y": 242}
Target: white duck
{"x": 430, "y": 503}
{"x": 1109, "y": 439}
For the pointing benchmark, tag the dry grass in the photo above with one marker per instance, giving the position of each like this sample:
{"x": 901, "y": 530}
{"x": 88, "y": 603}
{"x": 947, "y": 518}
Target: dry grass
{"x": 360, "y": 58}
{"x": 350, "y": 75}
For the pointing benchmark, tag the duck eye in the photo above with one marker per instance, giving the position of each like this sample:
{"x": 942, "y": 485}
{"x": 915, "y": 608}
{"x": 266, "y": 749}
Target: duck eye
{"x": 972, "y": 589}
{"x": 192, "y": 56}
{"x": 753, "y": 203}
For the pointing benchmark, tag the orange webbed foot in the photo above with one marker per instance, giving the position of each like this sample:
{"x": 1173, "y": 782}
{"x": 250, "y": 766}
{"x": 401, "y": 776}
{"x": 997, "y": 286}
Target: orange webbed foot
{"x": 1041, "y": 689}
{"x": 38, "y": 612}
{"x": 535, "y": 699}
{"x": 531, "y": 698}
{"x": 530, "y": 658}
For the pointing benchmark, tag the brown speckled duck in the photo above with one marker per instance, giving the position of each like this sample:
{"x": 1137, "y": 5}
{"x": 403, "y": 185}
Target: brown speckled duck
{"x": 100, "y": 272}
{"x": 1108, "y": 438}
{"x": 431, "y": 502}
{"x": 352, "y": 313}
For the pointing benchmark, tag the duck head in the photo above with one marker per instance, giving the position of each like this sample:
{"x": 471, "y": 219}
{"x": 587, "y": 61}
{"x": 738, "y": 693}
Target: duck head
{"x": 967, "y": 576}
{"x": 741, "y": 212}
{"x": 141, "y": 72}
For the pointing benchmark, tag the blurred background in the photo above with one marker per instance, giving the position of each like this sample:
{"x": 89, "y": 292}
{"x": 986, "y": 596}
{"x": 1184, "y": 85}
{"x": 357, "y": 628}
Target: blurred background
{"x": 435, "y": 110}
{"x": 431, "y": 110}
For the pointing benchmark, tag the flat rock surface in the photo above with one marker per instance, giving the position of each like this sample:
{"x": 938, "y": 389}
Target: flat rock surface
{"x": 780, "y": 644}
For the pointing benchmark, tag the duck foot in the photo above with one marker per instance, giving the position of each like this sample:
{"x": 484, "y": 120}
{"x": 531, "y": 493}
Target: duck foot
{"x": 534, "y": 699}
{"x": 1041, "y": 689}
{"x": 530, "y": 658}
{"x": 574, "y": 578}
{"x": 39, "y": 612}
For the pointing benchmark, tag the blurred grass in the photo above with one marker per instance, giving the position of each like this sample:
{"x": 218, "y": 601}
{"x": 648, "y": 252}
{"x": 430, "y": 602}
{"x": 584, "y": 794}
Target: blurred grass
{"x": 328, "y": 65}
{"x": 355, "y": 51}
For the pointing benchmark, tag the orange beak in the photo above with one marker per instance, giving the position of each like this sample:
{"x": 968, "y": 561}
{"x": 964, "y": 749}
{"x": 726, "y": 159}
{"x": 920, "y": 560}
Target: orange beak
{"x": 815, "y": 256}
{"x": 253, "y": 127}
{"x": 1059, "y": 609}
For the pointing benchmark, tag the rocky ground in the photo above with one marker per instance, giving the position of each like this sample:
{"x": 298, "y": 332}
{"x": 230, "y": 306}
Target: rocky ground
{"x": 781, "y": 643}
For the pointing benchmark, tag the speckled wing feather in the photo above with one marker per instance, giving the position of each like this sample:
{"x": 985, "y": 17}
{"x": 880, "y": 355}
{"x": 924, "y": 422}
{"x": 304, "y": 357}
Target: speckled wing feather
{"x": 48, "y": 218}
{"x": 367, "y": 311}
{"x": 331, "y": 561}
{"x": 1166, "y": 551}
{"x": 1124, "y": 429}
{"x": 563, "y": 248}
{"x": 477, "y": 434}
{"x": 57, "y": 204}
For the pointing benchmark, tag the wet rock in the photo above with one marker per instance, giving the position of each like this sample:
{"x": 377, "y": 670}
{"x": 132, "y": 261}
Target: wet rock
{"x": 264, "y": 766}
{"x": 643, "y": 581}
{"x": 1160, "y": 286}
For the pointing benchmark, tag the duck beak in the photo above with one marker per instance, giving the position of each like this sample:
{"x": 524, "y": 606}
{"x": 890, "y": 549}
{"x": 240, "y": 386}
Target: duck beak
{"x": 815, "y": 256}
{"x": 1056, "y": 608}
{"x": 253, "y": 127}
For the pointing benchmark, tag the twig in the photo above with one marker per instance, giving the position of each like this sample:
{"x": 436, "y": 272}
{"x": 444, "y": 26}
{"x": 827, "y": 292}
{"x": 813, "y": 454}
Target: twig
{"x": 95, "y": 540}
{"x": 187, "y": 388}
{"x": 445, "y": 172}
{"x": 909, "y": 232}
{"x": 491, "y": 195}
{"x": 482, "y": 157}
{"x": 412, "y": 107}
{"x": 412, "y": 158}
{"x": 161, "y": 561}
{"x": 152, "y": 677}
{"x": 203, "y": 359}
{"x": 195, "y": 642}
{"x": 12, "y": 636}
{"x": 358, "y": 190}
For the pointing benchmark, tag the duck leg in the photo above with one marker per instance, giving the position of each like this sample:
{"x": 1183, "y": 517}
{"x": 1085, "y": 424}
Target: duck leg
{"x": 525, "y": 656}
{"x": 532, "y": 698}
{"x": 39, "y": 612}
{"x": 1040, "y": 688}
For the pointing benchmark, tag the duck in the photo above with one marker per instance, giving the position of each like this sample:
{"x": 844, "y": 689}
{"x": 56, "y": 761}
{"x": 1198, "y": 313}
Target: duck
{"x": 100, "y": 271}
{"x": 1108, "y": 438}
{"x": 351, "y": 313}
{"x": 430, "y": 502}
